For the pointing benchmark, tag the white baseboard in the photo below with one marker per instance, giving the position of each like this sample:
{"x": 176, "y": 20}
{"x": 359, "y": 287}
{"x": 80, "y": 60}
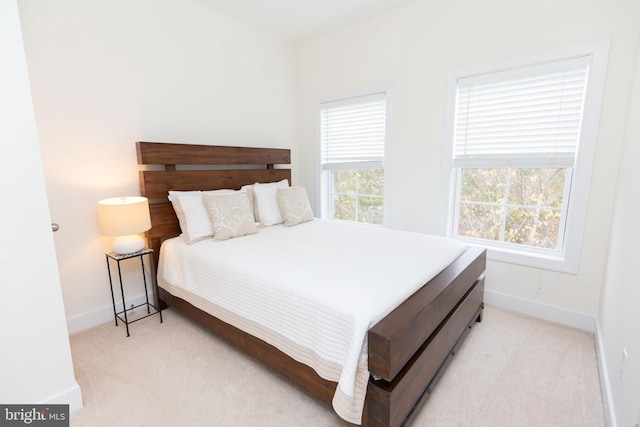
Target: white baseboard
{"x": 542, "y": 311}
{"x": 605, "y": 384}
{"x": 71, "y": 397}
{"x": 100, "y": 316}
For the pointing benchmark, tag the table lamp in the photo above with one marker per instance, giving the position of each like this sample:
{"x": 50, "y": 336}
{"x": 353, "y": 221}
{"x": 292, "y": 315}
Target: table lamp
{"x": 124, "y": 217}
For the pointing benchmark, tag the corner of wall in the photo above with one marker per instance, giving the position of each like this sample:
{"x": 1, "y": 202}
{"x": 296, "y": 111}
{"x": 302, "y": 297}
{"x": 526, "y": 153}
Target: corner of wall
{"x": 72, "y": 397}
{"x": 605, "y": 387}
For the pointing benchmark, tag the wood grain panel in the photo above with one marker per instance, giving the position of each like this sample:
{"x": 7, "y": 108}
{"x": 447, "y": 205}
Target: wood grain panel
{"x": 389, "y": 403}
{"x": 162, "y": 153}
{"x": 393, "y": 342}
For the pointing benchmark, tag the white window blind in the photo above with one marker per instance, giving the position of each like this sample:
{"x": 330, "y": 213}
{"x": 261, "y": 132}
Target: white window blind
{"x": 524, "y": 117}
{"x": 353, "y": 131}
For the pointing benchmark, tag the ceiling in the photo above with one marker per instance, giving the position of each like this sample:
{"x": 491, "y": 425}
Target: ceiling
{"x": 298, "y": 20}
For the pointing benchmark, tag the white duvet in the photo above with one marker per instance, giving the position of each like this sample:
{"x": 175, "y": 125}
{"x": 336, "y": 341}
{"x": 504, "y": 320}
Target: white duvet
{"x": 312, "y": 290}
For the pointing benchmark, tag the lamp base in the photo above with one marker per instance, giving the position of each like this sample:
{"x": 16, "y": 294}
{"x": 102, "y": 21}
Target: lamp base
{"x": 124, "y": 245}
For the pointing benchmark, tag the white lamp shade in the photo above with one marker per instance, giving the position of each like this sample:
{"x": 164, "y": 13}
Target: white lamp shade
{"x": 124, "y": 216}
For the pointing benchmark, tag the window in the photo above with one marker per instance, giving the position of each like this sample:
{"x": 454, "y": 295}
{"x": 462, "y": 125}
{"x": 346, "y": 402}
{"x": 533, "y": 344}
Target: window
{"x": 353, "y": 135}
{"x": 522, "y": 138}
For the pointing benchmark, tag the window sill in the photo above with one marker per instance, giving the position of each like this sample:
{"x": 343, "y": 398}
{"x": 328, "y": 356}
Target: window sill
{"x": 526, "y": 257}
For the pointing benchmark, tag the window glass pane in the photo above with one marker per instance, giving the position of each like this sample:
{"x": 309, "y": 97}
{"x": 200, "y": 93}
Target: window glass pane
{"x": 483, "y": 185}
{"x": 370, "y": 181}
{"x": 480, "y": 221}
{"x": 370, "y": 209}
{"x": 537, "y": 187}
{"x": 533, "y": 227}
{"x": 530, "y": 215}
{"x": 344, "y": 181}
{"x": 344, "y": 207}
{"x": 358, "y": 195}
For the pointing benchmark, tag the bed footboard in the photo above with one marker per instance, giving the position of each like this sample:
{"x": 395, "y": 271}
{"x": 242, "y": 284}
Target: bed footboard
{"x": 411, "y": 347}
{"x": 393, "y": 403}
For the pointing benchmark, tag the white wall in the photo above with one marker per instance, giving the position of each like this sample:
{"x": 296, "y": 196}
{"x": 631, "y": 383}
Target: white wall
{"x": 35, "y": 360}
{"x": 411, "y": 50}
{"x": 105, "y": 74}
{"x": 619, "y": 317}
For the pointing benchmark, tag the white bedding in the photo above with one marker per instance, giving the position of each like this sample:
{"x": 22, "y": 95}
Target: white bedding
{"x": 312, "y": 290}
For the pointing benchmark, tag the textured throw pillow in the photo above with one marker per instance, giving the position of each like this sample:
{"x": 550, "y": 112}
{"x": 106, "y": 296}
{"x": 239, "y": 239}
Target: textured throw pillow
{"x": 230, "y": 214}
{"x": 294, "y": 205}
{"x": 266, "y": 202}
{"x": 252, "y": 200}
{"x": 192, "y": 215}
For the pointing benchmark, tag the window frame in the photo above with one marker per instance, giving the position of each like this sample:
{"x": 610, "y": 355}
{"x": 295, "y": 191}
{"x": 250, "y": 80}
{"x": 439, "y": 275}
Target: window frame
{"x": 323, "y": 175}
{"x": 567, "y": 258}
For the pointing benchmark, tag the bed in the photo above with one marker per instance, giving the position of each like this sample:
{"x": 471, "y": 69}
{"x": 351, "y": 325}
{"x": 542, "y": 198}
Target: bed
{"x": 407, "y": 350}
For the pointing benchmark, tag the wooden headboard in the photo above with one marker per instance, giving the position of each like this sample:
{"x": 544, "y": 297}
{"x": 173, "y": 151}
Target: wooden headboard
{"x": 209, "y": 167}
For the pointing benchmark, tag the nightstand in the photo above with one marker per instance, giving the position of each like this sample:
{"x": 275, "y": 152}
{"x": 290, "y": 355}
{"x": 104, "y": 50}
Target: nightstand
{"x": 112, "y": 256}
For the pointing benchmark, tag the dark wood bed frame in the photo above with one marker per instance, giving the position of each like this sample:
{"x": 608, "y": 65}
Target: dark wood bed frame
{"x": 408, "y": 349}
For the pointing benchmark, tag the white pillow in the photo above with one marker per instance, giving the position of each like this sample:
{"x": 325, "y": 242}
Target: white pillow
{"x": 294, "y": 205}
{"x": 192, "y": 215}
{"x": 266, "y": 197}
{"x": 231, "y": 215}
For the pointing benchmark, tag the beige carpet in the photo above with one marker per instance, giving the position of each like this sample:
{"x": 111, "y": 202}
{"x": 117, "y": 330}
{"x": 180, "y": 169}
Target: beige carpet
{"x": 512, "y": 370}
